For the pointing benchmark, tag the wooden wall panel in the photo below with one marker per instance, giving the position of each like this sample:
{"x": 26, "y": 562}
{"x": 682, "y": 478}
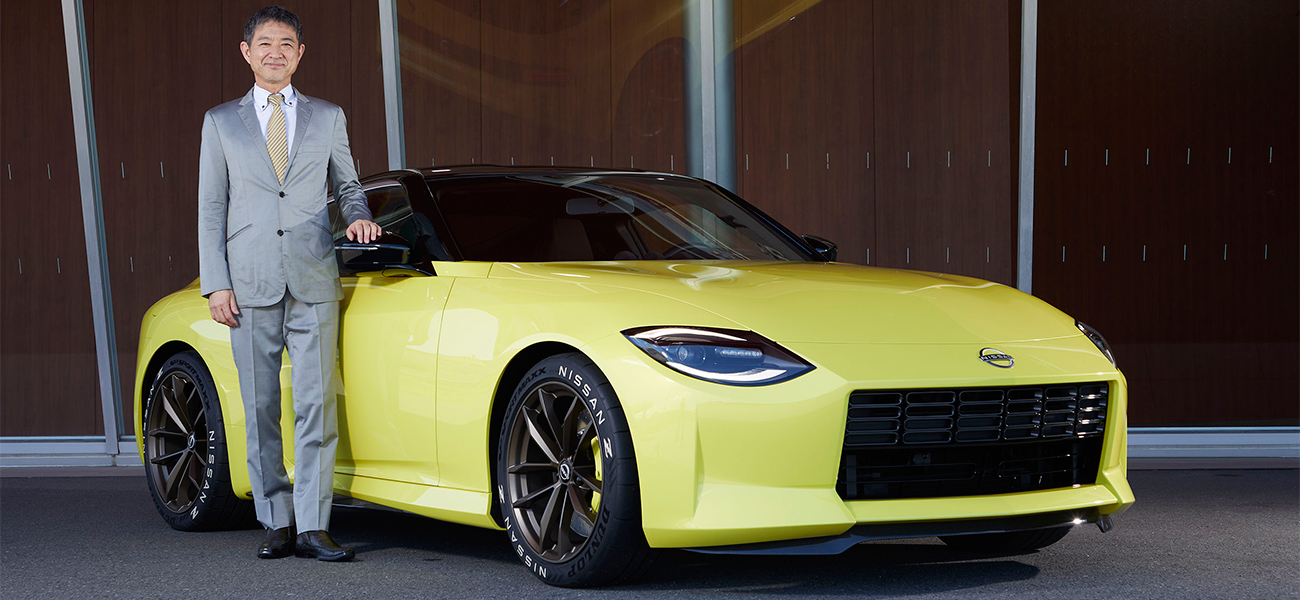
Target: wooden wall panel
{"x": 441, "y": 82}
{"x": 1149, "y": 99}
{"x": 546, "y": 82}
{"x": 341, "y": 63}
{"x": 48, "y": 377}
{"x": 148, "y": 128}
{"x": 367, "y": 124}
{"x": 804, "y": 91}
{"x": 648, "y": 81}
{"x": 147, "y": 132}
{"x": 942, "y": 134}
{"x": 530, "y": 83}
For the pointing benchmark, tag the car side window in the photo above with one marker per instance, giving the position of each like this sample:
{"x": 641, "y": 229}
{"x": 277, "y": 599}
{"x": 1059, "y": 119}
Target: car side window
{"x": 389, "y": 207}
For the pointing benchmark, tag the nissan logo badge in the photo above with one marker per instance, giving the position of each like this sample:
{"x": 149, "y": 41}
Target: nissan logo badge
{"x": 997, "y": 358}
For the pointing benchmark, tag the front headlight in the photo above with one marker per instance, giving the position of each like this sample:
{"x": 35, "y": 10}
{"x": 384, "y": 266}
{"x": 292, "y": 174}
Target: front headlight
{"x": 1096, "y": 338}
{"x": 725, "y": 356}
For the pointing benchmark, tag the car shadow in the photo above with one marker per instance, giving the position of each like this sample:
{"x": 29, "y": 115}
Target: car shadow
{"x": 870, "y": 569}
{"x": 873, "y": 569}
{"x": 370, "y": 530}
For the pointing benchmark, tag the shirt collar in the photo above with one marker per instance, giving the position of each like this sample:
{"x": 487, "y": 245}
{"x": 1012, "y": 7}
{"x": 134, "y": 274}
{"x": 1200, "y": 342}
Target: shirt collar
{"x": 261, "y": 96}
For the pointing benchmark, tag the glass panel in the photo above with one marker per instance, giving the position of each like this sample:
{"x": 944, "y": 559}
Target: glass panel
{"x": 534, "y": 218}
{"x": 48, "y": 371}
{"x": 520, "y": 82}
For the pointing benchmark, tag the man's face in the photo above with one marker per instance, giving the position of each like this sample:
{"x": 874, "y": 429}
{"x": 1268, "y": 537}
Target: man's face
{"x": 273, "y": 55}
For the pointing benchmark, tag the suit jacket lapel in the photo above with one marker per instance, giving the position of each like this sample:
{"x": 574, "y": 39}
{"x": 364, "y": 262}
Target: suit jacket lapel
{"x": 300, "y": 130}
{"x": 248, "y": 114}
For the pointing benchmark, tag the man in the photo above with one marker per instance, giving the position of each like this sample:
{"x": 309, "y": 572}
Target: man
{"x": 267, "y": 268}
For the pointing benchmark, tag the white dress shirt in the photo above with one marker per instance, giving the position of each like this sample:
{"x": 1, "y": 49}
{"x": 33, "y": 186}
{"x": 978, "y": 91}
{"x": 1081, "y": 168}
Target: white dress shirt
{"x": 262, "y": 102}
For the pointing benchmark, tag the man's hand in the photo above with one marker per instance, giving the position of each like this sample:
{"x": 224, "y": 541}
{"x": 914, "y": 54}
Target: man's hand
{"x": 364, "y": 231}
{"x": 221, "y": 304}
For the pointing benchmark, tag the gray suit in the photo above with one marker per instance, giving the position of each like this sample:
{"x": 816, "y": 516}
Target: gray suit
{"x": 272, "y": 245}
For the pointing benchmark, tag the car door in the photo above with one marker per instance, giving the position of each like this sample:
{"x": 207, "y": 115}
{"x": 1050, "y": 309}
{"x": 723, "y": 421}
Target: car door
{"x": 391, "y": 316}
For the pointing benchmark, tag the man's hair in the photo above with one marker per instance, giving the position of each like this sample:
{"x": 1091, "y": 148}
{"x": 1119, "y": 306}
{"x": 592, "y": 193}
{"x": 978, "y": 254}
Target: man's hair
{"x": 278, "y": 14}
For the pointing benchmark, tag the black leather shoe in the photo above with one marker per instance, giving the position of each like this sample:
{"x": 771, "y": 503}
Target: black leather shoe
{"x": 317, "y": 544}
{"x": 278, "y": 543}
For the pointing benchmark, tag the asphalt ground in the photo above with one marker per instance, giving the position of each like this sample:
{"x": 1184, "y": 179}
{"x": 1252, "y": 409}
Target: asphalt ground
{"x": 1192, "y": 534}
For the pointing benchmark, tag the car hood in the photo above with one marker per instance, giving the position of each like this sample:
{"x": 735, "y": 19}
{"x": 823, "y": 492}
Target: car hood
{"x": 828, "y": 302}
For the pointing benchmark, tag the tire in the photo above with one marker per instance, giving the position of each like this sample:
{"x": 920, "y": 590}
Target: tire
{"x": 1007, "y": 542}
{"x": 185, "y": 450}
{"x": 567, "y": 481}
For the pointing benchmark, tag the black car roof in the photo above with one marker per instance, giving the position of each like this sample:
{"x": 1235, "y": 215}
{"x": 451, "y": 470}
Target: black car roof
{"x": 489, "y": 169}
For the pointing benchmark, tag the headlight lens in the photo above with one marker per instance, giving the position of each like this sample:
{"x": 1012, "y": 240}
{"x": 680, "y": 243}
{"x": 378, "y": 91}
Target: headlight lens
{"x": 726, "y": 356}
{"x": 1097, "y": 339}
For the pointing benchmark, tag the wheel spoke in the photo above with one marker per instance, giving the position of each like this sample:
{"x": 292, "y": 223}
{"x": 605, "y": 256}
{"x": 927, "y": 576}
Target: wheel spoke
{"x": 571, "y": 419}
{"x": 564, "y": 537}
{"x": 587, "y": 478}
{"x": 547, "y": 400}
{"x": 181, "y": 399}
{"x": 198, "y": 457}
{"x": 198, "y": 414}
{"x": 168, "y": 406}
{"x": 535, "y": 430}
{"x": 174, "y": 478}
{"x": 531, "y": 498}
{"x": 530, "y": 468}
{"x": 164, "y": 432}
{"x": 166, "y": 459}
{"x": 580, "y": 508}
{"x": 554, "y": 506}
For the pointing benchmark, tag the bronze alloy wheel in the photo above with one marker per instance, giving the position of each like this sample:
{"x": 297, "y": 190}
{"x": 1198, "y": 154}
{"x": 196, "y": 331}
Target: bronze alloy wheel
{"x": 176, "y": 446}
{"x": 553, "y": 471}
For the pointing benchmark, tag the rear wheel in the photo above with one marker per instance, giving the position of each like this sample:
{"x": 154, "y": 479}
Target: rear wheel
{"x": 185, "y": 450}
{"x": 567, "y": 479}
{"x": 1010, "y": 541}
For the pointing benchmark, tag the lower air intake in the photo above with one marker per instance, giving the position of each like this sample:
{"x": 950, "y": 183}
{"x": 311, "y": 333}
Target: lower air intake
{"x": 970, "y": 442}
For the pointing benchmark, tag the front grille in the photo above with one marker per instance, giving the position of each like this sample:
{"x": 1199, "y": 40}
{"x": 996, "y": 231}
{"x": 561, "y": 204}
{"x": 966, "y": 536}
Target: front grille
{"x": 966, "y": 442}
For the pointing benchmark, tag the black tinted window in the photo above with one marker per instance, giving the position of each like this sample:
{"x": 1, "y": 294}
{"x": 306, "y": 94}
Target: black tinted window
{"x": 547, "y": 217}
{"x": 392, "y": 210}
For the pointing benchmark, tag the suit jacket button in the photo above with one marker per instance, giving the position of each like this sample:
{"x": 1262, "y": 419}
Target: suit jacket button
{"x": 281, "y": 194}
{"x": 280, "y": 232}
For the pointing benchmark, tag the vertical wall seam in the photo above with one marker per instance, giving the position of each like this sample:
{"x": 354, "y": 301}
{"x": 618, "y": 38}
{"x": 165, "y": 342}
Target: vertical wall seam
{"x": 724, "y": 93}
{"x": 391, "y": 59}
{"x": 1028, "y": 103}
{"x": 609, "y": 118}
{"x": 708, "y": 90}
{"x": 482, "y": 109}
{"x": 875, "y": 108}
{"x": 92, "y": 214}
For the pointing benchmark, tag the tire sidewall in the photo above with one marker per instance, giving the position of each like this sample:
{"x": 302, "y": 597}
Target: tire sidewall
{"x": 617, "y": 520}
{"x": 200, "y": 515}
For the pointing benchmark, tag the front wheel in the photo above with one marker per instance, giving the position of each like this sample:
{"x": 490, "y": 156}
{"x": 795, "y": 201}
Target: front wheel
{"x": 185, "y": 450}
{"x": 567, "y": 479}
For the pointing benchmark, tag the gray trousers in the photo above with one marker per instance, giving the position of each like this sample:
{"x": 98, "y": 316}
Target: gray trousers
{"x": 310, "y": 330}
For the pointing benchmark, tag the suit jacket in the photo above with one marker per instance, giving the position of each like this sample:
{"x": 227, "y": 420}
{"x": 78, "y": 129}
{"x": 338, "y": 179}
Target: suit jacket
{"x": 258, "y": 236}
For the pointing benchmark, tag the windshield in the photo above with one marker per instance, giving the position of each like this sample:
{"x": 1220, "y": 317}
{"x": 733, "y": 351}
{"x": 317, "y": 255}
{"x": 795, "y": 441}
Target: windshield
{"x": 617, "y": 216}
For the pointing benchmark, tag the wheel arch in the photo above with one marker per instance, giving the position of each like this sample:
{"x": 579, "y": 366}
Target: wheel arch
{"x": 164, "y": 352}
{"x": 510, "y": 377}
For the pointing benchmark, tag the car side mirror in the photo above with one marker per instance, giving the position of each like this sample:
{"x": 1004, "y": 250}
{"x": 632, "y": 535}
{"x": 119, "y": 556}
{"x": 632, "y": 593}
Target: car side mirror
{"x": 387, "y": 250}
{"x": 824, "y": 247}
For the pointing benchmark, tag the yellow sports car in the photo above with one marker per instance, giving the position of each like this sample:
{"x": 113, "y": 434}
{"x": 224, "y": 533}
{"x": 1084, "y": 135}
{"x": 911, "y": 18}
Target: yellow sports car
{"x": 606, "y": 363}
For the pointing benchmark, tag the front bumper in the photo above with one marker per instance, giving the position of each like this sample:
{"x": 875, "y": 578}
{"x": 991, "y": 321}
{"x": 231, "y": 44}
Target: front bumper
{"x": 891, "y": 531}
{"x": 724, "y": 466}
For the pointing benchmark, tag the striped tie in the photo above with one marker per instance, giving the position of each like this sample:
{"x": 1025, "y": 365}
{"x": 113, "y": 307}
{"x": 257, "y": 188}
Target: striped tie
{"x": 277, "y": 143}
